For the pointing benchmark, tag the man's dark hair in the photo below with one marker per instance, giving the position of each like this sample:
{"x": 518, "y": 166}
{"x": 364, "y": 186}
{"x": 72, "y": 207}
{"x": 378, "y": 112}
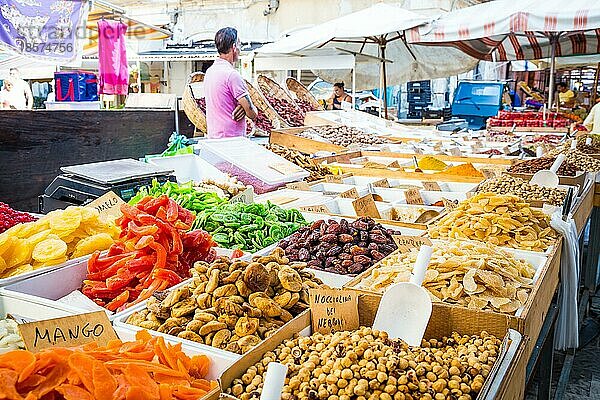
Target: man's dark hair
{"x": 561, "y": 84}
{"x": 225, "y": 39}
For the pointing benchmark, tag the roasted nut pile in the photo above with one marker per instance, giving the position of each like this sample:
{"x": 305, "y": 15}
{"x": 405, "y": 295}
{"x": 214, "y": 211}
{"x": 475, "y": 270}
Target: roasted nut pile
{"x": 580, "y": 160}
{"x": 501, "y": 220}
{"x": 317, "y": 171}
{"x": 225, "y": 189}
{"x": 366, "y": 364}
{"x": 340, "y": 247}
{"x": 593, "y": 148}
{"x": 507, "y": 184}
{"x": 231, "y": 304}
{"x": 538, "y": 164}
{"x": 343, "y": 135}
{"x": 473, "y": 274}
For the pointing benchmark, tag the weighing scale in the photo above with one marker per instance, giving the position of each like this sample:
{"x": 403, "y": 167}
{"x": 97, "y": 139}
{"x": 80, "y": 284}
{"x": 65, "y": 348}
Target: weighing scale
{"x": 82, "y": 184}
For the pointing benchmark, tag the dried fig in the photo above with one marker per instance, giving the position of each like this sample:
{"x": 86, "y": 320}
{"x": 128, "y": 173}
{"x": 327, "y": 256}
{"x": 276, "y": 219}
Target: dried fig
{"x": 195, "y": 325}
{"x": 213, "y": 281}
{"x": 184, "y": 307}
{"x": 203, "y": 316}
{"x": 211, "y": 326}
{"x": 246, "y": 326}
{"x": 232, "y": 277}
{"x": 221, "y": 338}
{"x": 175, "y": 296}
{"x": 242, "y": 288}
{"x": 189, "y": 335}
{"x": 204, "y": 300}
{"x": 256, "y": 277}
{"x": 225, "y": 291}
{"x": 290, "y": 279}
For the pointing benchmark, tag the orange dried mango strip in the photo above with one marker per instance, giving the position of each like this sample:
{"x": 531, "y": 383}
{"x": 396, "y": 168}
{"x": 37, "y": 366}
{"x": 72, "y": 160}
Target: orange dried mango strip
{"x": 83, "y": 365}
{"x": 72, "y": 392}
{"x": 137, "y": 376}
{"x": 165, "y": 392}
{"x": 8, "y": 381}
{"x": 104, "y": 383}
{"x": 57, "y": 376}
{"x": 17, "y": 360}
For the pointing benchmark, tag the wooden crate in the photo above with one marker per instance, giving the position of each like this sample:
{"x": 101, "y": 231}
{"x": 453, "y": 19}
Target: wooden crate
{"x": 288, "y": 137}
{"x": 582, "y": 209}
{"x": 442, "y": 323}
{"x": 577, "y": 180}
{"x": 387, "y": 173}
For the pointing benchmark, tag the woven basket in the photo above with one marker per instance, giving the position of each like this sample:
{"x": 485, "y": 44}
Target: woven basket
{"x": 267, "y": 86}
{"x": 263, "y": 105}
{"x": 302, "y": 93}
{"x": 190, "y": 107}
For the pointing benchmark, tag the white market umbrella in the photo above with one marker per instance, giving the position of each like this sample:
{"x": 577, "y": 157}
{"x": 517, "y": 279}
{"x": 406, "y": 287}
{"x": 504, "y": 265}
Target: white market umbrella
{"x": 504, "y": 30}
{"x": 376, "y": 34}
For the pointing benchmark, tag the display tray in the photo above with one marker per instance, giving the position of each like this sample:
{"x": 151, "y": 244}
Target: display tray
{"x": 505, "y": 381}
{"x": 288, "y": 137}
{"x": 577, "y": 180}
{"x": 530, "y": 319}
{"x": 358, "y": 170}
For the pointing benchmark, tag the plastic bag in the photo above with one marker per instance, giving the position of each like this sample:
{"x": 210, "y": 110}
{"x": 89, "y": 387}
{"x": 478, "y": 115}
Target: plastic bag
{"x": 567, "y": 324}
{"x": 178, "y": 144}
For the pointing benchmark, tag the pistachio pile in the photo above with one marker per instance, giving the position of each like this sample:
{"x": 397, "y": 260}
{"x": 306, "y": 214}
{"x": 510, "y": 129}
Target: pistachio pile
{"x": 582, "y": 161}
{"x": 366, "y": 364}
{"x": 507, "y": 184}
{"x": 231, "y": 304}
{"x": 317, "y": 171}
{"x": 342, "y": 135}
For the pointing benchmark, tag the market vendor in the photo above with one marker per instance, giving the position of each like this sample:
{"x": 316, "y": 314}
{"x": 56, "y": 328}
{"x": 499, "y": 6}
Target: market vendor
{"x": 227, "y": 98}
{"x": 566, "y": 97}
{"x": 338, "y": 95}
{"x": 592, "y": 121}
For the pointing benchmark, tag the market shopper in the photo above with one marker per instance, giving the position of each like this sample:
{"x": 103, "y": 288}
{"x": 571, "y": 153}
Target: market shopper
{"x": 227, "y": 99}
{"x": 338, "y": 95}
{"x": 21, "y": 89}
{"x": 592, "y": 121}
{"x": 566, "y": 97}
{"x": 10, "y": 98}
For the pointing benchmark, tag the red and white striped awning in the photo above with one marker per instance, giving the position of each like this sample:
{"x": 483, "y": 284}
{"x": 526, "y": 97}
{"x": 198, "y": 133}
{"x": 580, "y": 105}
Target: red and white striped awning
{"x": 517, "y": 30}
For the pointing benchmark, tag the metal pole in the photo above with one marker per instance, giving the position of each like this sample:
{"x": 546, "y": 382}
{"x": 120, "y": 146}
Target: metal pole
{"x": 177, "y": 114}
{"x": 553, "y": 40}
{"x": 385, "y": 108}
{"x": 354, "y": 84}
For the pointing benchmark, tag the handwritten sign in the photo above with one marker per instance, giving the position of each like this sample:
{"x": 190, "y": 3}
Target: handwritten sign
{"x": 405, "y": 243}
{"x": 320, "y": 208}
{"x": 350, "y": 194}
{"x": 365, "y": 207}
{"x": 431, "y": 186}
{"x": 67, "y": 331}
{"x": 449, "y": 205}
{"x": 108, "y": 205}
{"x": 488, "y": 173}
{"x": 334, "y": 178}
{"x": 381, "y": 183}
{"x": 413, "y": 196}
{"x": 286, "y": 168}
{"x": 333, "y": 310}
{"x": 298, "y": 185}
{"x": 246, "y": 197}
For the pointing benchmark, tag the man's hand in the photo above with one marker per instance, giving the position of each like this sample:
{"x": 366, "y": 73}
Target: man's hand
{"x": 238, "y": 113}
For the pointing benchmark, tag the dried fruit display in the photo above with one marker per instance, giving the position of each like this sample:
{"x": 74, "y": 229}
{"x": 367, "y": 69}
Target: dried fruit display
{"x": 290, "y": 113}
{"x": 501, "y": 220}
{"x": 317, "y": 171}
{"x": 10, "y": 217}
{"x": 263, "y": 122}
{"x": 147, "y": 368}
{"x": 53, "y": 239}
{"x": 305, "y": 105}
{"x": 342, "y": 135}
{"x": 367, "y": 364}
{"x": 231, "y": 304}
{"x": 473, "y": 274}
{"x": 538, "y": 164}
{"x": 184, "y": 194}
{"x": 155, "y": 251}
{"x": 340, "y": 247}
{"x": 507, "y": 184}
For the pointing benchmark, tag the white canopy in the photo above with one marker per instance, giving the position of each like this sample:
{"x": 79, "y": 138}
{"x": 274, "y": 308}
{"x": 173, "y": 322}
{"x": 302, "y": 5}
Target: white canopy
{"x": 376, "y": 34}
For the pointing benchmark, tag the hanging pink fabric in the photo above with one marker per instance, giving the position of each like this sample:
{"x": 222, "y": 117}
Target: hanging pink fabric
{"x": 112, "y": 57}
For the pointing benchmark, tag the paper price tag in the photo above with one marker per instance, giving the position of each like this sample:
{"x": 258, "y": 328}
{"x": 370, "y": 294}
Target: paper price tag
{"x": 108, "y": 205}
{"x": 286, "y": 168}
{"x": 350, "y": 194}
{"x": 413, "y": 196}
{"x": 455, "y": 151}
{"x": 394, "y": 164}
{"x": 365, "y": 207}
{"x": 488, "y": 173}
{"x": 246, "y": 197}
{"x": 431, "y": 186}
{"x": 381, "y": 183}
{"x": 315, "y": 209}
{"x": 334, "y": 178}
{"x": 298, "y": 185}
{"x": 449, "y": 205}
{"x": 333, "y": 310}
{"x": 405, "y": 243}
{"x": 68, "y": 331}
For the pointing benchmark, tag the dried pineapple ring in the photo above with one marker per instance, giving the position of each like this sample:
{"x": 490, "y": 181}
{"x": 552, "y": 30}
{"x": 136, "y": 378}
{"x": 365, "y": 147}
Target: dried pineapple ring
{"x": 68, "y": 220}
{"x": 19, "y": 253}
{"x": 49, "y": 249}
{"x": 89, "y": 214}
{"x": 2, "y": 265}
{"x": 100, "y": 241}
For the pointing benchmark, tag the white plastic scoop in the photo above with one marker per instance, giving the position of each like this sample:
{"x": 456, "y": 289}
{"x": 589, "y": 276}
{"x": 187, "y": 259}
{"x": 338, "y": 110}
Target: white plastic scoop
{"x": 274, "y": 381}
{"x": 548, "y": 178}
{"x": 405, "y": 307}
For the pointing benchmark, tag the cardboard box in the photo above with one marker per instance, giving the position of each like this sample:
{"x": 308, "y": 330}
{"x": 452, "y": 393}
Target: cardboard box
{"x": 502, "y": 383}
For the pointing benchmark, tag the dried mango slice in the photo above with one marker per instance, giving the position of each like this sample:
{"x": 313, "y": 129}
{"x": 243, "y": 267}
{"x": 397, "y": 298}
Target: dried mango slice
{"x": 49, "y": 249}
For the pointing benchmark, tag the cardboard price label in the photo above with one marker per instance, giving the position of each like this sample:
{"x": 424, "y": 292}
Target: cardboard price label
{"x": 68, "y": 331}
{"x": 349, "y": 194}
{"x": 365, "y": 207}
{"x": 381, "y": 183}
{"x": 334, "y": 178}
{"x": 321, "y": 208}
{"x": 394, "y": 164}
{"x": 431, "y": 186}
{"x": 449, "y": 205}
{"x": 455, "y": 151}
{"x": 246, "y": 197}
{"x": 286, "y": 168}
{"x": 333, "y": 310}
{"x": 406, "y": 243}
{"x": 298, "y": 185}
{"x": 108, "y": 205}
{"x": 488, "y": 173}
{"x": 413, "y": 196}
